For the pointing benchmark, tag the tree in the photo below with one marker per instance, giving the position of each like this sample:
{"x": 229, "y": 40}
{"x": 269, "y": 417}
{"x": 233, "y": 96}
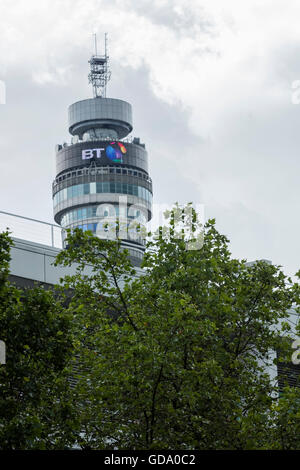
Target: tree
{"x": 35, "y": 407}
{"x": 285, "y": 415}
{"x": 176, "y": 358}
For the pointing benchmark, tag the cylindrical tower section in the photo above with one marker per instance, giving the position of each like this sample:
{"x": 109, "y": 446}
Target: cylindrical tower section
{"x": 102, "y": 182}
{"x": 100, "y": 114}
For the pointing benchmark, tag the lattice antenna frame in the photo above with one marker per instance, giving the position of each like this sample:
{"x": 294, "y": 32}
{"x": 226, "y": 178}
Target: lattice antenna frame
{"x": 100, "y": 73}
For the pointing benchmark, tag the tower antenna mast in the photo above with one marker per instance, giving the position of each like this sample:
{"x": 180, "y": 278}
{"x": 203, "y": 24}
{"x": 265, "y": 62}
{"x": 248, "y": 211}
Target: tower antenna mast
{"x": 95, "y": 34}
{"x": 100, "y": 73}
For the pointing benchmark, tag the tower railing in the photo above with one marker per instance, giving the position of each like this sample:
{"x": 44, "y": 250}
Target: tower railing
{"x": 31, "y": 230}
{"x": 104, "y": 170}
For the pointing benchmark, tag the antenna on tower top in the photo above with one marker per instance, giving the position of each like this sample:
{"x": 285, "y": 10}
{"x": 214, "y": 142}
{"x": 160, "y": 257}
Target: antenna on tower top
{"x": 99, "y": 74}
{"x": 95, "y": 34}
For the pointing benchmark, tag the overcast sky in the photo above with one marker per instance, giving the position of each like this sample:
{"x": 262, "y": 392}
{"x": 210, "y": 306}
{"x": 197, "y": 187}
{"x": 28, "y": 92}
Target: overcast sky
{"x": 210, "y": 83}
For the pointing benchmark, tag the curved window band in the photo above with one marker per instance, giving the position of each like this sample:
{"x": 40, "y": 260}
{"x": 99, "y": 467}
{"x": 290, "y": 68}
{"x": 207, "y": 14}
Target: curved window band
{"x": 95, "y": 226}
{"x": 89, "y": 212}
{"x": 101, "y": 187}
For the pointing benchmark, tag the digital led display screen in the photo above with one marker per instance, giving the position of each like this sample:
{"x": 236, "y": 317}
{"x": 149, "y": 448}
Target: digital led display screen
{"x": 114, "y": 151}
{"x": 101, "y": 153}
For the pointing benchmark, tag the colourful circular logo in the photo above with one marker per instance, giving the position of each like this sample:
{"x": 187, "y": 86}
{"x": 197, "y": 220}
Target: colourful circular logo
{"x": 115, "y": 151}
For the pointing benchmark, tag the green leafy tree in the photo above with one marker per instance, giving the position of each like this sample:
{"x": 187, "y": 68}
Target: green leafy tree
{"x": 175, "y": 358}
{"x": 36, "y": 410}
{"x": 285, "y": 414}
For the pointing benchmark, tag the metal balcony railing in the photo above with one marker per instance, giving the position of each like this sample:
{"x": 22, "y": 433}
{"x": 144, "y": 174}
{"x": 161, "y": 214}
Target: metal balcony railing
{"x": 31, "y": 230}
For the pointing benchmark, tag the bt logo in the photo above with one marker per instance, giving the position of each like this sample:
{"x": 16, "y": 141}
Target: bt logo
{"x": 114, "y": 151}
{"x": 90, "y": 153}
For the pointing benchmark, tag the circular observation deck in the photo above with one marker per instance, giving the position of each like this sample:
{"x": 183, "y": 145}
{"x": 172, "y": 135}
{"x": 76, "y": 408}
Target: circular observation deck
{"x": 100, "y": 113}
